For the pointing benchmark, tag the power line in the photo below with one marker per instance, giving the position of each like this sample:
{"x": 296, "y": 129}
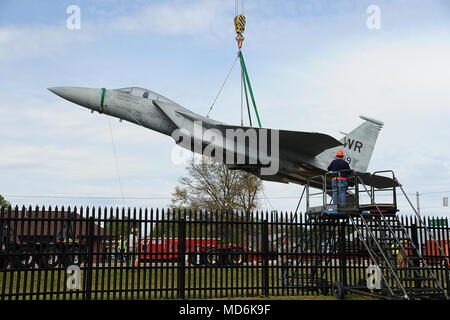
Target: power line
{"x": 144, "y": 197}
{"x": 434, "y": 192}
{"x": 85, "y": 197}
{"x": 141, "y": 197}
{"x": 117, "y": 198}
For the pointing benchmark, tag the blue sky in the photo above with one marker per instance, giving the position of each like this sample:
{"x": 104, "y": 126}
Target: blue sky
{"x": 315, "y": 66}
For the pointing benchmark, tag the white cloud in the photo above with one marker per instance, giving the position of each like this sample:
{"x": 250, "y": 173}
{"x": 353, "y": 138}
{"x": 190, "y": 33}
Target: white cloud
{"x": 37, "y": 41}
{"x": 400, "y": 83}
{"x": 56, "y": 117}
{"x": 71, "y": 163}
{"x": 200, "y": 18}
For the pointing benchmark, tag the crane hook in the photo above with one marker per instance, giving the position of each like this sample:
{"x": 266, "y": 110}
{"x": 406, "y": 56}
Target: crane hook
{"x": 239, "y": 27}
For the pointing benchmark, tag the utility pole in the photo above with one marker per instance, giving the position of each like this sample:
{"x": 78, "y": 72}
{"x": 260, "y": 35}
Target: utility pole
{"x": 418, "y": 202}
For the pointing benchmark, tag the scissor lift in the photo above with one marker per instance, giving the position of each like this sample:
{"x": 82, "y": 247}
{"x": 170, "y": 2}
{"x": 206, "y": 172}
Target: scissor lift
{"x": 380, "y": 231}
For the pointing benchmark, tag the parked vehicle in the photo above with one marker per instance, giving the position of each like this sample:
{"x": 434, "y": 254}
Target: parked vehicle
{"x": 200, "y": 251}
{"x": 433, "y": 254}
{"x": 22, "y": 251}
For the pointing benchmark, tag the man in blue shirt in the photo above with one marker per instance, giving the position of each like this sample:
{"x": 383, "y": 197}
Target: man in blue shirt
{"x": 339, "y": 180}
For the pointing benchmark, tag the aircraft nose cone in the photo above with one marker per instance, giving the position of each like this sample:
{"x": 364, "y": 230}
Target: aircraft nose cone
{"x": 86, "y": 97}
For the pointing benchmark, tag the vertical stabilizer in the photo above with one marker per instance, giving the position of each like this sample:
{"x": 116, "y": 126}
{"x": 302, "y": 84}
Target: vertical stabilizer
{"x": 358, "y": 145}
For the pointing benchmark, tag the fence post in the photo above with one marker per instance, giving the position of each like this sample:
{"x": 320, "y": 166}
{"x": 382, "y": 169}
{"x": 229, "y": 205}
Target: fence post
{"x": 447, "y": 281}
{"x": 90, "y": 260}
{"x": 342, "y": 253}
{"x": 181, "y": 276}
{"x": 414, "y": 237}
{"x": 415, "y": 242}
{"x": 265, "y": 252}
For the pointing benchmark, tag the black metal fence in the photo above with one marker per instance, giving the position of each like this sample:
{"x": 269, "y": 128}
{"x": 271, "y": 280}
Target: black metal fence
{"x": 94, "y": 253}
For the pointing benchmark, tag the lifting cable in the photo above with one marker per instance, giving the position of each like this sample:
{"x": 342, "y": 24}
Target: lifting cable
{"x": 246, "y": 101}
{"x": 242, "y": 99}
{"x": 268, "y": 203}
{"x": 246, "y": 87}
{"x": 115, "y": 152}
{"x": 116, "y": 162}
{"x": 239, "y": 27}
{"x": 223, "y": 85}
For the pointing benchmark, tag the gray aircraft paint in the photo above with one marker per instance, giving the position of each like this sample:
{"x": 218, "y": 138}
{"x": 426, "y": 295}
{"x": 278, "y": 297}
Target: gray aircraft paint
{"x": 358, "y": 145}
{"x": 301, "y": 154}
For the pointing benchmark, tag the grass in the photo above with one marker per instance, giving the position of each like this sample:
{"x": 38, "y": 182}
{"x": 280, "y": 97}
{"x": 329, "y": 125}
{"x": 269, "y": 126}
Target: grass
{"x": 160, "y": 281}
{"x": 306, "y": 297}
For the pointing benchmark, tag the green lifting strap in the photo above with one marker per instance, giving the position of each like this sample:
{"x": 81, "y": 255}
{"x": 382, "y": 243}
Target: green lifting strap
{"x": 246, "y": 101}
{"x": 247, "y": 79}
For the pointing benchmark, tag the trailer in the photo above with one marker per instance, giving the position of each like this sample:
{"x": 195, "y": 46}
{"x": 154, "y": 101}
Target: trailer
{"x": 44, "y": 251}
{"x": 199, "y": 251}
{"x": 45, "y": 241}
{"x": 434, "y": 255}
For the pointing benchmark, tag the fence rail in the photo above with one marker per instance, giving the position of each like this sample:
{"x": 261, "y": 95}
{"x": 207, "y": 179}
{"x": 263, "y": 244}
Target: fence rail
{"x": 101, "y": 253}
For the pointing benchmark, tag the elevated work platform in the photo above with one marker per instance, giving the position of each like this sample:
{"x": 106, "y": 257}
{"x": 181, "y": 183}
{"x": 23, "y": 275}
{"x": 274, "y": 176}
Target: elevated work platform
{"x": 400, "y": 269}
{"x": 361, "y": 195}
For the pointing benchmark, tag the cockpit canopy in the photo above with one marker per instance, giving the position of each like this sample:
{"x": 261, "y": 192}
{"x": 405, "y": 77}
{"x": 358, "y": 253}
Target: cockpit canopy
{"x": 144, "y": 93}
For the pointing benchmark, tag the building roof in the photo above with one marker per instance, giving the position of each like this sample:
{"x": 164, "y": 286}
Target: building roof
{"x": 50, "y": 224}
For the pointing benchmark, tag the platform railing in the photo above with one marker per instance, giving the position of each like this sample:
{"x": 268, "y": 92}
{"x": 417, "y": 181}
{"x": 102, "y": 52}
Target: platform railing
{"x": 355, "y": 181}
{"x": 309, "y": 194}
{"x": 393, "y": 188}
{"x": 326, "y": 179}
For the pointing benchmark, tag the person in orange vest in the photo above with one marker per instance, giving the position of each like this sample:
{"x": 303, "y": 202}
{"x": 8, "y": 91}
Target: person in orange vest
{"x": 400, "y": 254}
{"x": 339, "y": 178}
{"x": 405, "y": 253}
{"x": 132, "y": 245}
{"x": 121, "y": 248}
{"x": 447, "y": 255}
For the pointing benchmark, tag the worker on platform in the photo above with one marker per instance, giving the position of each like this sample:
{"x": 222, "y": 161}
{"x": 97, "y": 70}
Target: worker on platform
{"x": 339, "y": 178}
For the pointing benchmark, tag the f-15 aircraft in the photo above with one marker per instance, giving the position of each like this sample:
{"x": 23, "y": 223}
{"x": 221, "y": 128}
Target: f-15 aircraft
{"x": 298, "y": 155}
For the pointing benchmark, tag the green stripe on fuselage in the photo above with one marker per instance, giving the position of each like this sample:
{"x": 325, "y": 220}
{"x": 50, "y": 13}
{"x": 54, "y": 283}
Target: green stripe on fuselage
{"x": 102, "y": 99}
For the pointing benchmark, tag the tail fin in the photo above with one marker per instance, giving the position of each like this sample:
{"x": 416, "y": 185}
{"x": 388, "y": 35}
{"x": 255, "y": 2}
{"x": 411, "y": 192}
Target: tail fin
{"x": 359, "y": 144}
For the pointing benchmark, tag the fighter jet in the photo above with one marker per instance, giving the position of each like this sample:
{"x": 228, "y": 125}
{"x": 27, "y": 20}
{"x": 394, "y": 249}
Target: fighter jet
{"x": 298, "y": 156}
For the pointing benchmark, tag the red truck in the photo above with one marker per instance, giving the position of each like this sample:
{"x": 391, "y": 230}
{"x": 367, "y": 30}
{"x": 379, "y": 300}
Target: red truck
{"x": 200, "y": 251}
{"x": 433, "y": 254}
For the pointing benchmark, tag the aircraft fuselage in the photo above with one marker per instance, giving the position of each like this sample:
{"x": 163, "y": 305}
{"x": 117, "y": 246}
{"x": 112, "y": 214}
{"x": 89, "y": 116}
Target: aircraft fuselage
{"x": 300, "y": 155}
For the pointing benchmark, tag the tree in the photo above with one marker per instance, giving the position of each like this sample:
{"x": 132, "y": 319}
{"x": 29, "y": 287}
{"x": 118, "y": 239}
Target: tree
{"x": 3, "y": 202}
{"x": 119, "y": 227}
{"x": 212, "y": 186}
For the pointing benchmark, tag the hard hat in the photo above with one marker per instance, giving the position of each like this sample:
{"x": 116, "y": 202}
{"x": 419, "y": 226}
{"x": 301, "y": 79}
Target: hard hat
{"x": 340, "y": 153}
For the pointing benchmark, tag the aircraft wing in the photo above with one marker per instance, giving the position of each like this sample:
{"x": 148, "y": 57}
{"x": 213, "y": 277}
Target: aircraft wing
{"x": 177, "y": 114}
{"x": 168, "y": 110}
{"x": 378, "y": 181}
{"x": 293, "y": 142}
{"x": 298, "y": 142}
{"x": 311, "y": 143}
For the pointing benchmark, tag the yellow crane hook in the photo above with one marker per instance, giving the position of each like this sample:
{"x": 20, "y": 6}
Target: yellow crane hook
{"x": 239, "y": 27}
